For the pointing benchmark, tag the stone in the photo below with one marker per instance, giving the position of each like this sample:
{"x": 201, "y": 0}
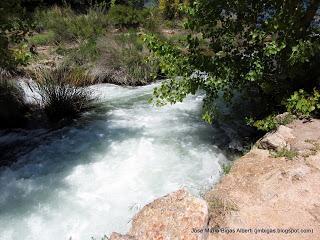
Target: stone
{"x": 277, "y": 140}
{"x": 174, "y": 216}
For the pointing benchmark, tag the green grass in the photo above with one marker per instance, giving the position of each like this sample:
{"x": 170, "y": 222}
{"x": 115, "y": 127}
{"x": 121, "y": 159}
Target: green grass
{"x": 289, "y": 154}
{"x": 226, "y": 168}
{"x": 42, "y": 38}
{"x": 69, "y": 26}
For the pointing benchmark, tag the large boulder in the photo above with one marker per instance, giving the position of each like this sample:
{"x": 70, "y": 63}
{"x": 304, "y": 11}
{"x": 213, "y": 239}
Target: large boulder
{"x": 174, "y": 216}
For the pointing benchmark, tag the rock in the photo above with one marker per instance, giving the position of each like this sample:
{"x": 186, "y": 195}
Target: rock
{"x": 117, "y": 236}
{"x": 269, "y": 192}
{"x": 173, "y": 216}
{"x": 277, "y": 140}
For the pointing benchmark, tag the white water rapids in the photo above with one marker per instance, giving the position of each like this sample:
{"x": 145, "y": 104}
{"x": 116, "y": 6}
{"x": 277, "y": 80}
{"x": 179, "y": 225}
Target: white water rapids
{"x": 89, "y": 179}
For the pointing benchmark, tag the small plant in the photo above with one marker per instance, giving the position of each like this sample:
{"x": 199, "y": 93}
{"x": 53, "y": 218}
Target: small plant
{"x": 21, "y": 54}
{"x": 303, "y": 104}
{"x": 42, "y": 38}
{"x": 270, "y": 123}
{"x": 226, "y": 168}
{"x": 289, "y": 154}
{"x": 60, "y": 99}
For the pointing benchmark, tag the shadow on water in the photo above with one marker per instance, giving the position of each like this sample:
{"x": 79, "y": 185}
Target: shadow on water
{"x": 64, "y": 149}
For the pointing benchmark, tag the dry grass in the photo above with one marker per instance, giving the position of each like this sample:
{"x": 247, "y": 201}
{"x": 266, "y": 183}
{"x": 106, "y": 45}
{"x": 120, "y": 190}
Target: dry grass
{"x": 62, "y": 100}
{"x": 124, "y": 60}
{"x": 218, "y": 208}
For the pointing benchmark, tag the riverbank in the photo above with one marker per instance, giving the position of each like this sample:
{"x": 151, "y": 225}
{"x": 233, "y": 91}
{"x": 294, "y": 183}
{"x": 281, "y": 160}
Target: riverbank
{"x": 272, "y": 192}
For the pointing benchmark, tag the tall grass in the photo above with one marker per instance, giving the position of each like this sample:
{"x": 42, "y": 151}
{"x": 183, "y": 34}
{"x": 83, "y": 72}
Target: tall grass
{"x": 125, "y": 60}
{"x": 69, "y": 26}
{"x": 60, "y": 99}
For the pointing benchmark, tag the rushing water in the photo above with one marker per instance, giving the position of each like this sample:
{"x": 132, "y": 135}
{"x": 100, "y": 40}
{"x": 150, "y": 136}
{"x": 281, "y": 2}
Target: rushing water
{"x": 89, "y": 179}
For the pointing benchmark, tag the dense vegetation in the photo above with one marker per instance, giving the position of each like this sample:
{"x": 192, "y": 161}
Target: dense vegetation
{"x": 97, "y": 41}
{"x": 260, "y": 57}
{"x": 261, "y": 51}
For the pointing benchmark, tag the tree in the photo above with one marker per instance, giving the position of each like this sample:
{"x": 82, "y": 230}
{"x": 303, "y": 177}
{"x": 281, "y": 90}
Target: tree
{"x": 262, "y": 50}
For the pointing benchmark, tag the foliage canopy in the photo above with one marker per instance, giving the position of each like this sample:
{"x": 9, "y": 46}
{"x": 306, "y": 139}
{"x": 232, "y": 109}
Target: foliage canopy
{"x": 261, "y": 50}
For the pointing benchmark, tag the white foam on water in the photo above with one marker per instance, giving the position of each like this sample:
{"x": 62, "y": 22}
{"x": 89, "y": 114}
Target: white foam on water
{"x": 89, "y": 179}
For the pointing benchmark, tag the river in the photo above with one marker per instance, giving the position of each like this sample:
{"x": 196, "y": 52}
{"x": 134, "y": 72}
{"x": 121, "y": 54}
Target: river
{"x": 89, "y": 178}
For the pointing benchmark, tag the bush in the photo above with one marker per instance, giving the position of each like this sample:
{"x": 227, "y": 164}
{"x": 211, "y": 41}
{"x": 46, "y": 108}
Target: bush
{"x": 303, "y": 104}
{"x": 124, "y": 16}
{"x": 21, "y": 54}
{"x": 170, "y": 8}
{"x": 60, "y": 99}
{"x": 12, "y": 106}
{"x": 271, "y": 122}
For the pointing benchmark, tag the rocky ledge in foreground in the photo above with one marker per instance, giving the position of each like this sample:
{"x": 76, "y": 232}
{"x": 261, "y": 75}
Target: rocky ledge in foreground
{"x": 271, "y": 193}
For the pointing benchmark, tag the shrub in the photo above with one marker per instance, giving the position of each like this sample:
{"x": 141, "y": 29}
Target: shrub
{"x": 124, "y": 16}
{"x": 271, "y": 122}
{"x": 12, "y": 106}
{"x": 303, "y": 104}
{"x": 60, "y": 99}
{"x": 170, "y": 8}
{"x": 21, "y": 54}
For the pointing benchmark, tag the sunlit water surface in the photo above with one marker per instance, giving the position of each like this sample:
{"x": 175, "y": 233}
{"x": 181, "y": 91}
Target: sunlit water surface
{"x": 89, "y": 179}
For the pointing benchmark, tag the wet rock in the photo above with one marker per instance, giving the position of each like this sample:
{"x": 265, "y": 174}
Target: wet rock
{"x": 173, "y": 216}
